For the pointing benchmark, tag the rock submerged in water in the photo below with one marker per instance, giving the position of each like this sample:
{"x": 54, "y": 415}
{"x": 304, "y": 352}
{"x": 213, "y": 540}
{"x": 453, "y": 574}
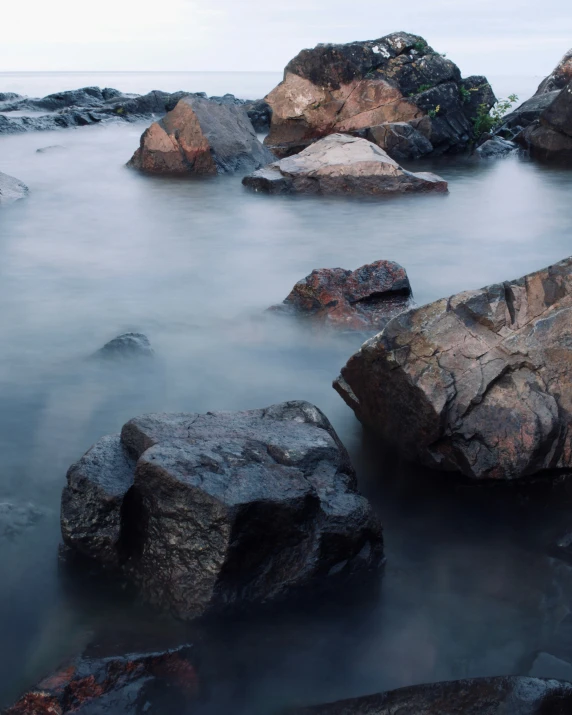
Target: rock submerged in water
{"x": 341, "y": 164}
{"x": 363, "y": 299}
{"x": 221, "y": 510}
{"x": 503, "y": 695}
{"x": 200, "y": 137}
{"x": 550, "y": 137}
{"x": 126, "y": 346}
{"x": 11, "y": 189}
{"x": 398, "y": 78}
{"x": 136, "y": 683}
{"x": 478, "y": 383}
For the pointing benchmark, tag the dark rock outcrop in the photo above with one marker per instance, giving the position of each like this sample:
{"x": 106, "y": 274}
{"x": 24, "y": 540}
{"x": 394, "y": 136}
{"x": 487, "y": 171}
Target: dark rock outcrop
{"x": 495, "y": 147}
{"x": 348, "y": 88}
{"x": 92, "y": 105}
{"x": 550, "y": 137}
{"x": 341, "y": 164}
{"x": 11, "y": 189}
{"x": 560, "y": 76}
{"x": 363, "y": 299}
{"x": 478, "y": 383}
{"x": 128, "y": 345}
{"x": 200, "y": 137}
{"x": 222, "y": 510}
{"x": 401, "y": 140}
{"x": 138, "y": 683}
{"x": 504, "y": 695}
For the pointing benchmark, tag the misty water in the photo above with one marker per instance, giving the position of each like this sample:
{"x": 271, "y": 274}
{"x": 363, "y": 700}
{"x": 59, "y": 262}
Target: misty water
{"x": 97, "y": 250}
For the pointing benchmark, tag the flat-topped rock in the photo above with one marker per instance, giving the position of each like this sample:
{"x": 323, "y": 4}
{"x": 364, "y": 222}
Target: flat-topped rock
{"x": 352, "y": 300}
{"x": 341, "y": 164}
{"x": 221, "y": 510}
{"x": 398, "y": 78}
{"x": 478, "y": 383}
{"x": 200, "y": 137}
{"x": 504, "y": 695}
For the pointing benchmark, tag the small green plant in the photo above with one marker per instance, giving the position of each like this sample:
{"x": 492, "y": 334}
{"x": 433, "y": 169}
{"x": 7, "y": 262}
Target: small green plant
{"x": 488, "y": 120}
{"x": 465, "y": 94}
{"x": 420, "y": 46}
{"x": 119, "y": 110}
{"x": 434, "y": 112}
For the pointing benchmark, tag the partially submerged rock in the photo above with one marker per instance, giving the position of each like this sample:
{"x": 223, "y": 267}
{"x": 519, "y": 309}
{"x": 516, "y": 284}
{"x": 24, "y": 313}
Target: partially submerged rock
{"x": 341, "y": 164}
{"x": 397, "y": 78}
{"x": 495, "y": 147}
{"x": 221, "y": 510}
{"x": 478, "y": 383}
{"x": 127, "y": 345}
{"x": 11, "y": 189}
{"x": 200, "y": 137}
{"x": 136, "y": 683}
{"x": 504, "y": 695}
{"x": 550, "y": 137}
{"x": 354, "y": 300}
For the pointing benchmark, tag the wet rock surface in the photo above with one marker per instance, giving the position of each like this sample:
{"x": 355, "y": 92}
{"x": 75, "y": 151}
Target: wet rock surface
{"x": 353, "y": 300}
{"x": 92, "y": 105}
{"x": 495, "y": 147}
{"x": 11, "y": 189}
{"x": 347, "y": 88}
{"x": 200, "y": 137}
{"x": 550, "y": 137}
{"x": 137, "y": 683}
{"x": 221, "y": 510}
{"x": 477, "y": 383}
{"x": 341, "y": 164}
{"x": 126, "y": 346}
{"x": 514, "y": 695}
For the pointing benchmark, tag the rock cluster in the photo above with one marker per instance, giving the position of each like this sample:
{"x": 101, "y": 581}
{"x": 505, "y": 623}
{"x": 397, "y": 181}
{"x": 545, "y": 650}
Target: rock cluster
{"x": 92, "y": 105}
{"x": 341, "y": 164}
{"x": 478, "y": 383}
{"x": 200, "y": 137}
{"x": 395, "y": 80}
{"x": 363, "y": 299}
{"x": 514, "y": 695}
{"x": 136, "y": 683}
{"x": 221, "y": 510}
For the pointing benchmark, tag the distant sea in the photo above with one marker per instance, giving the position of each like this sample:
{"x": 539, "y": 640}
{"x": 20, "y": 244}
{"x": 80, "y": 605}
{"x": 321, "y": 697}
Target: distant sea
{"x": 246, "y": 85}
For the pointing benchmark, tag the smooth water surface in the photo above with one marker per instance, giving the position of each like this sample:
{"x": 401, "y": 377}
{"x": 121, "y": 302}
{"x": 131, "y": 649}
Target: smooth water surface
{"x": 97, "y": 250}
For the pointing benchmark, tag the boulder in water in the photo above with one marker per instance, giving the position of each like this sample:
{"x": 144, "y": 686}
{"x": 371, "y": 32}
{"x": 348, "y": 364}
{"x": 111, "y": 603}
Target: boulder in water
{"x": 11, "y": 189}
{"x": 354, "y": 300}
{"x": 478, "y": 383}
{"x": 127, "y": 345}
{"x": 551, "y": 136}
{"x": 200, "y": 137}
{"x": 341, "y": 164}
{"x": 221, "y": 510}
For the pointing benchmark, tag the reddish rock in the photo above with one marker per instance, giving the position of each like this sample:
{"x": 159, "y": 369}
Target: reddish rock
{"x": 116, "y": 684}
{"x": 479, "y": 383}
{"x": 347, "y": 88}
{"x": 200, "y": 137}
{"x": 356, "y": 300}
{"x": 560, "y": 76}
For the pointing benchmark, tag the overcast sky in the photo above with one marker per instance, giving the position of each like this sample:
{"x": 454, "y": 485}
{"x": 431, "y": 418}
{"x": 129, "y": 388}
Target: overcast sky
{"x": 482, "y": 36}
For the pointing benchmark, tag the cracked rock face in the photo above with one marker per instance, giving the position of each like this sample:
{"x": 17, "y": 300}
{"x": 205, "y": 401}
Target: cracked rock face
{"x": 348, "y": 88}
{"x": 354, "y": 300}
{"x": 478, "y": 383}
{"x": 343, "y": 165}
{"x": 550, "y": 137}
{"x": 220, "y": 510}
{"x": 505, "y": 695}
{"x": 200, "y": 137}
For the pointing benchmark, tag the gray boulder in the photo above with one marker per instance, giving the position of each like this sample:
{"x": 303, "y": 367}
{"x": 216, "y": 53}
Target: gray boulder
{"x": 341, "y": 164}
{"x": 11, "y": 189}
{"x": 495, "y": 147}
{"x": 200, "y": 137}
{"x": 401, "y": 140}
{"x": 504, "y": 695}
{"x": 128, "y": 345}
{"x": 221, "y": 510}
{"x": 550, "y": 137}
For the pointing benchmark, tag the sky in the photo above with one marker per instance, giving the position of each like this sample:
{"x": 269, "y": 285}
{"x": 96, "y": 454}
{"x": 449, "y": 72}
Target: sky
{"x": 482, "y": 37}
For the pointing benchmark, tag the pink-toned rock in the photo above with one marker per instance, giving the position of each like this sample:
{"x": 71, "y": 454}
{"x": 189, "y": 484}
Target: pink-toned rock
{"x": 200, "y": 137}
{"x": 479, "y": 383}
{"x": 363, "y": 299}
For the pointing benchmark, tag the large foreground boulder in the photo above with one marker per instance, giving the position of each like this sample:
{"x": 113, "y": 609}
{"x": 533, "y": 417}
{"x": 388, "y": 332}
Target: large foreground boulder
{"x": 11, "y": 189}
{"x": 221, "y": 510}
{"x": 479, "y": 383}
{"x": 398, "y": 78}
{"x": 505, "y": 695}
{"x": 151, "y": 683}
{"x": 200, "y": 137}
{"x": 363, "y": 299}
{"x": 341, "y": 164}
